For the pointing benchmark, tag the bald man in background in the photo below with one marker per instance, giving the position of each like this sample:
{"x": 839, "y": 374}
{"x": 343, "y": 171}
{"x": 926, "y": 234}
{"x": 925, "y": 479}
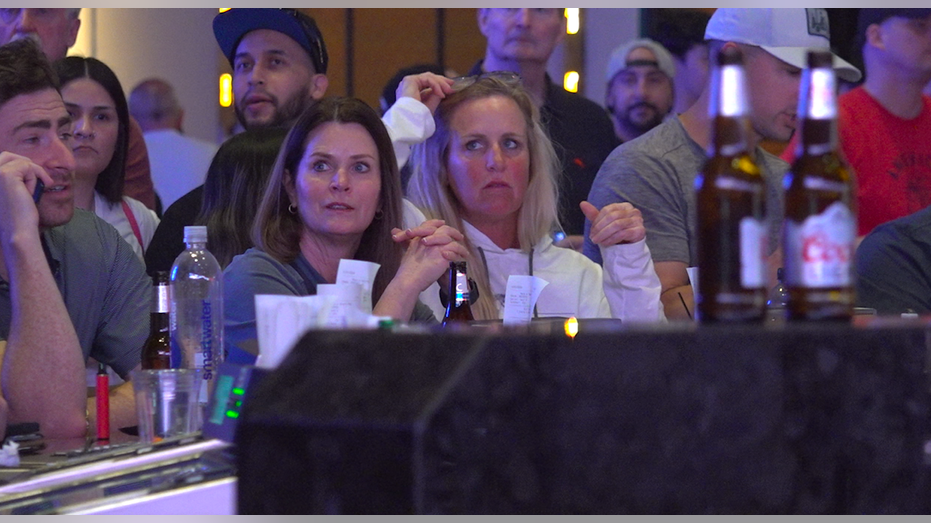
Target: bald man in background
{"x": 179, "y": 163}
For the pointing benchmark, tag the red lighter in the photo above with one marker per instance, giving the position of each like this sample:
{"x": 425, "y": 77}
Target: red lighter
{"x": 103, "y": 403}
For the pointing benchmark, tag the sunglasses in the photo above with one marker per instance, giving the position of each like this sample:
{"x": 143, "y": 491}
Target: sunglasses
{"x": 507, "y": 77}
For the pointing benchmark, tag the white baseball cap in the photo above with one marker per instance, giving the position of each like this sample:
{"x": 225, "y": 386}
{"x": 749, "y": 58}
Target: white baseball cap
{"x": 786, "y": 33}
{"x": 618, "y": 60}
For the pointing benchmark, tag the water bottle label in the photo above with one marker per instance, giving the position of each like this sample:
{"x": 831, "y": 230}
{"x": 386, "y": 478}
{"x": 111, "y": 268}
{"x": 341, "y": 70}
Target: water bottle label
{"x": 819, "y": 251}
{"x": 753, "y": 242}
{"x": 200, "y": 362}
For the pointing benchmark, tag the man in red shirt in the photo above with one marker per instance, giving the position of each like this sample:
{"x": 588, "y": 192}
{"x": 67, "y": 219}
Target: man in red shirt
{"x": 884, "y": 125}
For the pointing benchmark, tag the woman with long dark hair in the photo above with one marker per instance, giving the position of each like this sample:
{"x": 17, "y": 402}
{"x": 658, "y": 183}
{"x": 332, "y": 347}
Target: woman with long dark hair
{"x": 95, "y": 100}
{"x": 334, "y": 194}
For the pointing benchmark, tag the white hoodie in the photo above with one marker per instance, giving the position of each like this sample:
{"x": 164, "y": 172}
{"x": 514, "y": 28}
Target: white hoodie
{"x": 576, "y": 287}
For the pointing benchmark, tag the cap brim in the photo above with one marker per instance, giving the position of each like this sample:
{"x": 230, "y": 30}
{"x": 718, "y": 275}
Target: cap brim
{"x": 798, "y": 56}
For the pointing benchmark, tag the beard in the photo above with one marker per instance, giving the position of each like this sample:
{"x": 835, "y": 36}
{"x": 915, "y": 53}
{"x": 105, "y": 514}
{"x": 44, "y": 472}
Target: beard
{"x": 640, "y": 126}
{"x": 284, "y": 116}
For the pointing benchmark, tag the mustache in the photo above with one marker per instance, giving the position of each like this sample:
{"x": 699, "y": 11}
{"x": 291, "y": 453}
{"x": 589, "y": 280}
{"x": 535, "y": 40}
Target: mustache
{"x": 638, "y": 105}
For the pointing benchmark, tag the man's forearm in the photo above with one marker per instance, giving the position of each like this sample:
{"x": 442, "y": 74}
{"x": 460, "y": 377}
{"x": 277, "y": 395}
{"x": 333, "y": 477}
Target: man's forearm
{"x": 43, "y": 366}
{"x": 679, "y": 303}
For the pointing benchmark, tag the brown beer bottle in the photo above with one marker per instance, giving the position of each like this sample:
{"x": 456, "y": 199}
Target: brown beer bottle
{"x": 820, "y": 223}
{"x": 731, "y": 200}
{"x": 458, "y": 309}
{"x": 156, "y": 353}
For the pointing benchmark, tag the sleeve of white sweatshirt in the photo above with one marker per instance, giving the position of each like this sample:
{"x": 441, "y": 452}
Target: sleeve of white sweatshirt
{"x": 409, "y": 122}
{"x": 631, "y": 284}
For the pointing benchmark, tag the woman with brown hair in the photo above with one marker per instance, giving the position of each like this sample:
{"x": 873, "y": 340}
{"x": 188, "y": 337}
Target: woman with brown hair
{"x": 334, "y": 194}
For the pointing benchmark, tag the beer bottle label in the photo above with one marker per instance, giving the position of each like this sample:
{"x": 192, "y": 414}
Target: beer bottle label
{"x": 462, "y": 288}
{"x": 752, "y": 252}
{"x": 819, "y": 251}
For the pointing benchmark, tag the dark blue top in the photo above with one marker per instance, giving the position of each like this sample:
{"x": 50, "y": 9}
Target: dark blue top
{"x": 893, "y": 265}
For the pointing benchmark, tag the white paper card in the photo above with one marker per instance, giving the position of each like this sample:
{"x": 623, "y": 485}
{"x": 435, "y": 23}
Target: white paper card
{"x": 361, "y": 272}
{"x": 520, "y": 297}
{"x": 346, "y": 306}
{"x": 281, "y": 320}
{"x": 693, "y": 279}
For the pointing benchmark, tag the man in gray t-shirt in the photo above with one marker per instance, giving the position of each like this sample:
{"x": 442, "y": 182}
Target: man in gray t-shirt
{"x": 69, "y": 285}
{"x": 656, "y": 172}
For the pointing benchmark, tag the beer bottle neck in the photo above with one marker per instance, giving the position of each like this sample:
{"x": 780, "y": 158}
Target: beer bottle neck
{"x": 161, "y": 304}
{"x": 818, "y": 108}
{"x": 158, "y": 322}
{"x": 458, "y": 286}
{"x": 728, "y": 111}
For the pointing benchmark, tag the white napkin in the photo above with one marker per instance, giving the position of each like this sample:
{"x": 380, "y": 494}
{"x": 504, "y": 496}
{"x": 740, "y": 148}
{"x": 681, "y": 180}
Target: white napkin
{"x": 281, "y": 320}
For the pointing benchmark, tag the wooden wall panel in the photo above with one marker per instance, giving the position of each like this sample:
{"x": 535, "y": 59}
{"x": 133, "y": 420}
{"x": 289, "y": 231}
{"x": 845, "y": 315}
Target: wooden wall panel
{"x": 464, "y": 44}
{"x": 385, "y": 40}
{"x": 332, "y": 24}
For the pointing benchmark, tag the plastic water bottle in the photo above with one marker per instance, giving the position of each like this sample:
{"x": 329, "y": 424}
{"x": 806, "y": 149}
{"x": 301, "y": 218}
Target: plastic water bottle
{"x": 196, "y": 318}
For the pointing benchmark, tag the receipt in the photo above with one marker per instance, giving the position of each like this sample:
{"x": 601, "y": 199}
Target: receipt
{"x": 361, "y": 272}
{"x": 521, "y": 296}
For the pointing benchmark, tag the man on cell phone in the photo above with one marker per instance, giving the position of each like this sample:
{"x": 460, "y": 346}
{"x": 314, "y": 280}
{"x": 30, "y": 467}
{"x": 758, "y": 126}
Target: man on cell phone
{"x": 70, "y": 287}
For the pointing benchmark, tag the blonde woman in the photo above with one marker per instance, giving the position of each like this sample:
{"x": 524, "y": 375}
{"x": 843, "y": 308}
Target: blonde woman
{"x": 489, "y": 171}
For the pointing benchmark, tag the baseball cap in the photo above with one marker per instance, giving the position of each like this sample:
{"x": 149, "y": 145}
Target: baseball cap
{"x": 230, "y": 26}
{"x": 786, "y": 33}
{"x": 868, "y": 17}
{"x": 618, "y": 61}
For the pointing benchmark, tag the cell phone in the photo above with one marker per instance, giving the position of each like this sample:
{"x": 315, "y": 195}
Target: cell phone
{"x": 37, "y": 193}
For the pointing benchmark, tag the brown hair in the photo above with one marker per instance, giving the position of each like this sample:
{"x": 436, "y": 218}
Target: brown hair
{"x": 24, "y": 69}
{"x": 277, "y": 231}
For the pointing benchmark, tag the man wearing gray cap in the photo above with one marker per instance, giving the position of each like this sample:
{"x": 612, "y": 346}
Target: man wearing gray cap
{"x": 640, "y": 89}
{"x": 656, "y": 172}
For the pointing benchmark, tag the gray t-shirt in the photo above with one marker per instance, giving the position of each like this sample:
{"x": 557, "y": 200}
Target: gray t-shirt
{"x": 104, "y": 287}
{"x": 656, "y": 174}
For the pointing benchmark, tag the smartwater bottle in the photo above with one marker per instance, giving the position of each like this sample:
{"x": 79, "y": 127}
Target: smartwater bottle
{"x": 196, "y": 317}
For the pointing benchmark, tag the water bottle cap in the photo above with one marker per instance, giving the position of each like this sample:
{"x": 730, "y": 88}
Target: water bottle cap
{"x": 195, "y": 234}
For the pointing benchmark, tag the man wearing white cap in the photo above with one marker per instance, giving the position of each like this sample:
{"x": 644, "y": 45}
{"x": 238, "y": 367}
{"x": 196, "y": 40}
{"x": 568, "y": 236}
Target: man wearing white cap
{"x": 640, "y": 89}
{"x": 656, "y": 172}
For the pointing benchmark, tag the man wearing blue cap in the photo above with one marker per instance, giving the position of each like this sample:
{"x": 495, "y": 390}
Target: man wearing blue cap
{"x": 656, "y": 172}
{"x": 279, "y": 62}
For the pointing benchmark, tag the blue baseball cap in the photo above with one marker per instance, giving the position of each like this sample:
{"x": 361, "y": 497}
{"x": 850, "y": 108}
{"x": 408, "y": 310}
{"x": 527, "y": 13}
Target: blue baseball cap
{"x": 230, "y": 26}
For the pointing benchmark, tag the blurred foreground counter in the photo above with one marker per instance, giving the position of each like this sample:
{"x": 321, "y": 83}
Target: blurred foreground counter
{"x": 799, "y": 418}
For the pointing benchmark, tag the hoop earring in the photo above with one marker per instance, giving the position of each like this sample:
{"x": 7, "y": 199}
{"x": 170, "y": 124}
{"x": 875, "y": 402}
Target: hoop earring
{"x": 292, "y": 209}
{"x": 379, "y": 214}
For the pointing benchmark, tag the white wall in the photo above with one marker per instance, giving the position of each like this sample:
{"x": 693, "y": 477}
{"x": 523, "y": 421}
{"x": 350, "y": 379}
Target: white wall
{"x": 604, "y": 29}
{"x": 174, "y": 44}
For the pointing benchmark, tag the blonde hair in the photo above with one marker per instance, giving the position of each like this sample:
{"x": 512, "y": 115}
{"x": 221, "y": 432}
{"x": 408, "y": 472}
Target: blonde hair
{"x": 430, "y": 190}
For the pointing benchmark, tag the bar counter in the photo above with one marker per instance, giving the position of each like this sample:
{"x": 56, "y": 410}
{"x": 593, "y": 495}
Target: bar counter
{"x": 775, "y": 419}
